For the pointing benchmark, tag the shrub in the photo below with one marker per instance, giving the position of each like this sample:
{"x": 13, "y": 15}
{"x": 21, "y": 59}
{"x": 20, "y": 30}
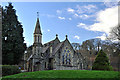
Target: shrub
{"x": 101, "y": 62}
{"x": 10, "y": 70}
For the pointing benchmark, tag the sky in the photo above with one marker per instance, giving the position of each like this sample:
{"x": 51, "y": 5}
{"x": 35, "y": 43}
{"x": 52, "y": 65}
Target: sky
{"x": 79, "y": 20}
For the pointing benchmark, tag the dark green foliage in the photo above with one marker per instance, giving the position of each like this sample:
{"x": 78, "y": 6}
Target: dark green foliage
{"x": 101, "y": 62}
{"x": 13, "y": 45}
{"x": 10, "y": 70}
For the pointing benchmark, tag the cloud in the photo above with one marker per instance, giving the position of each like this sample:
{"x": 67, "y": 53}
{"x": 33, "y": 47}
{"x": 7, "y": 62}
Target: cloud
{"x": 84, "y": 16}
{"x": 62, "y": 18}
{"x": 76, "y": 15}
{"x": 77, "y": 37}
{"x": 48, "y": 30}
{"x": 70, "y": 19}
{"x": 48, "y": 15}
{"x": 103, "y": 37}
{"x": 59, "y": 11}
{"x": 70, "y": 10}
{"x": 82, "y": 25}
{"x": 110, "y": 3}
{"x": 86, "y": 9}
{"x": 83, "y": 12}
{"x": 106, "y": 19}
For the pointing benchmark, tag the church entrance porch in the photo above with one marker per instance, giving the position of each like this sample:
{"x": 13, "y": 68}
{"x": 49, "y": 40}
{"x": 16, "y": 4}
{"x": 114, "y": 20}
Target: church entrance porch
{"x": 37, "y": 66}
{"x": 50, "y": 65}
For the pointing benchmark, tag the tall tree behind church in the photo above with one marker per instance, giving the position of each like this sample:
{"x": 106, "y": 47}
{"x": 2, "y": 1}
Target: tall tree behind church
{"x": 13, "y": 45}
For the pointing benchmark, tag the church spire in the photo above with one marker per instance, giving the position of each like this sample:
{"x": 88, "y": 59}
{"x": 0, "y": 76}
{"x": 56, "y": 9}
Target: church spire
{"x": 37, "y": 27}
{"x": 37, "y": 32}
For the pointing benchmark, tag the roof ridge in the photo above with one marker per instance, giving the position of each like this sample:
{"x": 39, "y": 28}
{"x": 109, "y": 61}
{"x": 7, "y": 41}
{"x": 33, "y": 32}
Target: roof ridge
{"x": 58, "y": 47}
{"x": 49, "y": 41}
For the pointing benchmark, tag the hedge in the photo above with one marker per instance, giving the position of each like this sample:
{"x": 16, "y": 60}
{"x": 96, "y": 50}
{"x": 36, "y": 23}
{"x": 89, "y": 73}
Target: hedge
{"x": 10, "y": 70}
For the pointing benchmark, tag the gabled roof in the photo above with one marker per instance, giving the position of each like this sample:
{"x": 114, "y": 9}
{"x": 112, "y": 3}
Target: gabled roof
{"x": 45, "y": 49}
{"x": 37, "y": 27}
{"x": 49, "y": 42}
{"x": 57, "y": 47}
{"x": 30, "y": 57}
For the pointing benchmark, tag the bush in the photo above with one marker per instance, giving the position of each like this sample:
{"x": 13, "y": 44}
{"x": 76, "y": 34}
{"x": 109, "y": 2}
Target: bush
{"x": 102, "y": 62}
{"x": 110, "y": 68}
{"x": 10, "y": 70}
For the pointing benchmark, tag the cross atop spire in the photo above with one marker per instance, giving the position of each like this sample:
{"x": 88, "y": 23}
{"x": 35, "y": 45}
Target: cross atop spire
{"x": 37, "y": 14}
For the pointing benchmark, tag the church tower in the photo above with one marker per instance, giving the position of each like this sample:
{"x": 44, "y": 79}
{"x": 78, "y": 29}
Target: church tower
{"x": 37, "y": 45}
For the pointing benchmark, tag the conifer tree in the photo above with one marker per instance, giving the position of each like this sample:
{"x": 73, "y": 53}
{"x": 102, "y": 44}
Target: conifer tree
{"x": 13, "y": 45}
{"x": 101, "y": 62}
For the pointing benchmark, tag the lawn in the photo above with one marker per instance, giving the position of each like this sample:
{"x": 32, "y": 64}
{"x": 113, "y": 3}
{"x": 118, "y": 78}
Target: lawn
{"x": 65, "y": 74}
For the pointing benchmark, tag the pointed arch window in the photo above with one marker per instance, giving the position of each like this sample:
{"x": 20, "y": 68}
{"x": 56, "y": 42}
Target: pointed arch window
{"x": 63, "y": 58}
{"x": 35, "y": 38}
{"x": 66, "y": 57}
{"x": 69, "y": 59}
{"x": 38, "y": 38}
{"x": 38, "y": 51}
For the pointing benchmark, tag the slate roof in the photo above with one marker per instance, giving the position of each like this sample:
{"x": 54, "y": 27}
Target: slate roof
{"x": 45, "y": 49}
{"x": 37, "y": 27}
{"x": 57, "y": 47}
{"x": 49, "y": 42}
{"x": 29, "y": 57}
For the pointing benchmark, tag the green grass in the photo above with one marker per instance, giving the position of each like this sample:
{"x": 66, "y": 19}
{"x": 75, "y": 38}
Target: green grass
{"x": 66, "y": 74}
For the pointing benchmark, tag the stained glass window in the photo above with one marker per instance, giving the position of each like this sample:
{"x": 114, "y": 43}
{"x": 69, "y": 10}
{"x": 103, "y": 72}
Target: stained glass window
{"x": 38, "y": 38}
{"x": 69, "y": 59}
{"x": 68, "y": 51}
{"x": 66, "y": 57}
{"x": 64, "y": 50}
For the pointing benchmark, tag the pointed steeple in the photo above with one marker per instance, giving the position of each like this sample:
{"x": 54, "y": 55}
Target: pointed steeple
{"x": 37, "y": 27}
{"x": 56, "y": 35}
{"x": 66, "y": 36}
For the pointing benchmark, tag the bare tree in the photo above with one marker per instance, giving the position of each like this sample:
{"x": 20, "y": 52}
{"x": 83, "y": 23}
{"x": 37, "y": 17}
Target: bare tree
{"x": 115, "y": 33}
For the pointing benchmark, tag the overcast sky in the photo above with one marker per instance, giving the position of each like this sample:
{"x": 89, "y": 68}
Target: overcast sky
{"x": 79, "y": 20}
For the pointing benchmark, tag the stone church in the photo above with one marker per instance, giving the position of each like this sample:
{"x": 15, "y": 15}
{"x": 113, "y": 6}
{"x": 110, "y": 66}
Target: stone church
{"x": 54, "y": 55}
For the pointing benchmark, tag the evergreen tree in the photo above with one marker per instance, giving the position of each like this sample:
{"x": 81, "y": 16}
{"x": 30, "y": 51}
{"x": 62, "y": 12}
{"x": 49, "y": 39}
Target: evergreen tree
{"x": 13, "y": 45}
{"x": 101, "y": 62}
